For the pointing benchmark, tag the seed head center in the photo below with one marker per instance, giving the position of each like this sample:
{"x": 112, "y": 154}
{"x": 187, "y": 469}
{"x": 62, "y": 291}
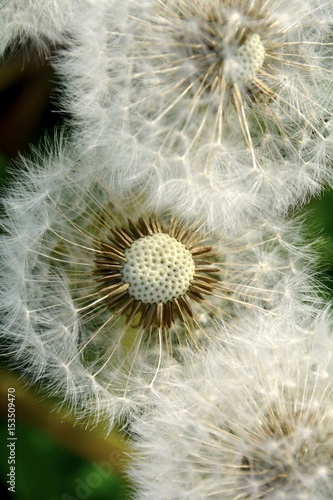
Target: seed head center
{"x": 244, "y": 64}
{"x": 158, "y": 269}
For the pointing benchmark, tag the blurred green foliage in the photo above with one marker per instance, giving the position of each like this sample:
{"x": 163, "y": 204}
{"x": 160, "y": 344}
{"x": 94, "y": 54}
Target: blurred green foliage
{"x": 45, "y": 471}
{"x": 319, "y": 229}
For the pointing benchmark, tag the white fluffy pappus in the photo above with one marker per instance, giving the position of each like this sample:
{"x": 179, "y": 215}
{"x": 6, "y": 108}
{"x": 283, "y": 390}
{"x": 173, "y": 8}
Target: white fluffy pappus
{"x": 39, "y": 22}
{"x": 100, "y": 293}
{"x": 156, "y": 82}
{"x": 254, "y": 420}
{"x": 228, "y": 188}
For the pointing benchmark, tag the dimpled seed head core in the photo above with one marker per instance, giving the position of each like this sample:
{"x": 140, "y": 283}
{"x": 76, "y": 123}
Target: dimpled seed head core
{"x": 244, "y": 65}
{"x": 158, "y": 269}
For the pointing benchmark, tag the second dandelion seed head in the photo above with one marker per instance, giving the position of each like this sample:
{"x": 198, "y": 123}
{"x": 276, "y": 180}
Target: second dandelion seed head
{"x": 223, "y": 49}
{"x": 246, "y": 62}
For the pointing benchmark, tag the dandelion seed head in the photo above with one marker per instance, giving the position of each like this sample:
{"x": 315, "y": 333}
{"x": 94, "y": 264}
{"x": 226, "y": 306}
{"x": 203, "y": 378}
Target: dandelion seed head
{"x": 215, "y": 42}
{"x": 256, "y": 422}
{"x": 101, "y": 296}
{"x": 216, "y": 50}
{"x": 293, "y": 453}
{"x": 222, "y": 95}
{"x": 158, "y": 269}
{"x": 248, "y": 61}
{"x": 204, "y": 58}
{"x": 154, "y": 272}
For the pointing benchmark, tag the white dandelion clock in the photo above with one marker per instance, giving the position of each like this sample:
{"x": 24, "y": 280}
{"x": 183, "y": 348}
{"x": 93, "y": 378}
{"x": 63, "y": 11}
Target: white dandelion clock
{"x": 205, "y": 97}
{"x": 253, "y": 421}
{"x": 104, "y": 291}
{"x": 206, "y": 68}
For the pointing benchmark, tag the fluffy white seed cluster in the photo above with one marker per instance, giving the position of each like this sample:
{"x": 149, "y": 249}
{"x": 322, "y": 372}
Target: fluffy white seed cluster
{"x": 246, "y": 63}
{"x": 157, "y": 96}
{"x": 79, "y": 343}
{"x": 158, "y": 269}
{"x": 251, "y": 422}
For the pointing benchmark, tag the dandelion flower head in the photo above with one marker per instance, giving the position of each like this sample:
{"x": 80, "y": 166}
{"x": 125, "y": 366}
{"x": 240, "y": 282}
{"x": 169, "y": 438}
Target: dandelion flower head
{"x": 256, "y": 422}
